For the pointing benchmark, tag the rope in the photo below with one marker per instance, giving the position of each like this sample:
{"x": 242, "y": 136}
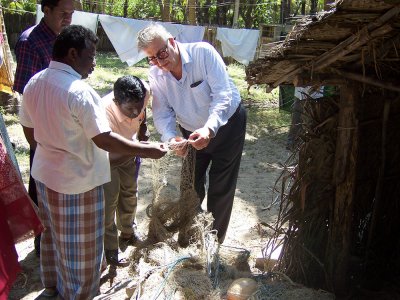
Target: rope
{"x": 212, "y": 260}
{"x": 170, "y": 269}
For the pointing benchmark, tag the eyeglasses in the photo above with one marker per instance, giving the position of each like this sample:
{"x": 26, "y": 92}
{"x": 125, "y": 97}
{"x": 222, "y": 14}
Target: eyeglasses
{"x": 160, "y": 55}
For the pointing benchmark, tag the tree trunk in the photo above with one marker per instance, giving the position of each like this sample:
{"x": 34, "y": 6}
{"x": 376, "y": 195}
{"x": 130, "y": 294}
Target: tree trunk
{"x": 221, "y": 13}
{"x": 313, "y": 7}
{"x": 204, "y": 13}
{"x": 125, "y": 8}
{"x": 165, "y": 10}
{"x": 192, "y": 12}
{"x": 285, "y": 10}
{"x": 303, "y": 7}
{"x": 247, "y": 14}
{"x": 236, "y": 14}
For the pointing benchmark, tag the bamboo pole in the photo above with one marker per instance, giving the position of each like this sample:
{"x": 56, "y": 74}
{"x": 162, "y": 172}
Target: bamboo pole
{"x": 369, "y": 80}
{"x": 236, "y": 14}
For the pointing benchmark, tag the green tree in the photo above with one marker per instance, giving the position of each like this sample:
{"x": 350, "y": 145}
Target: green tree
{"x": 19, "y": 6}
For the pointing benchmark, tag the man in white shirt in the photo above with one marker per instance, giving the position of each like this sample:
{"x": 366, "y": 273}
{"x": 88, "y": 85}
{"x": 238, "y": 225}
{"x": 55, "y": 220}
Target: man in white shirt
{"x": 191, "y": 86}
{"x": 64, "y": 116}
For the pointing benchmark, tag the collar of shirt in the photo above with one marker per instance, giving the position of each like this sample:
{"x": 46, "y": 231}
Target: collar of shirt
{"x": 46, "y": 29}
{"x": 64, "y": 67}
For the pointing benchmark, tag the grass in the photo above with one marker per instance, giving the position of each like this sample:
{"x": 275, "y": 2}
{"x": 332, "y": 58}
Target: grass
{"x": 109, "y": 68}
{"x": 256, "y": 93}
{"x": 265, "y": 120}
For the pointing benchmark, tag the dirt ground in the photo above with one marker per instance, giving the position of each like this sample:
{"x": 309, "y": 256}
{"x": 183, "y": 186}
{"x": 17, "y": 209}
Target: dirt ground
{"x": 262, "y": 160}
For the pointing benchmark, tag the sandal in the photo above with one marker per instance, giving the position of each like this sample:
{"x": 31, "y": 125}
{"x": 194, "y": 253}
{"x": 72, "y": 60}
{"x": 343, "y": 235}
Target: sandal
{"x": 48, "y": 293}
{"x": 112, "y": 259}
{"x": 129, "y": 239}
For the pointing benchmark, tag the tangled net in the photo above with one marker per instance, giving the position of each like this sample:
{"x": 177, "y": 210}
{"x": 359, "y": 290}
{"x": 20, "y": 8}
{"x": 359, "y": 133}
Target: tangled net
{"x": 175, "y": 211}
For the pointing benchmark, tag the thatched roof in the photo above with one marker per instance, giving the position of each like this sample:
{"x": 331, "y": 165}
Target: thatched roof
{"x": 356, "y": 39}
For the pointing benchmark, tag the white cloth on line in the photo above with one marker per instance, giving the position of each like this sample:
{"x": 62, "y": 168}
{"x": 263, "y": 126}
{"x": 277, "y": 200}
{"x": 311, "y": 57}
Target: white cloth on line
{"x": 240, "y": 44}
{"x": 185, "y": 33}
{"x": 86, "y": 19}
{"x": 122, "y": 33}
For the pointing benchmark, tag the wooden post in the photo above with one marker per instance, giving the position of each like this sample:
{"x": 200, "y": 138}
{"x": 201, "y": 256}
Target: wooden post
{"x": 192, "y": 12}
{"x": 344, "y": 179}
{"x": 165, "y": 10}
{"x": 236, "y": 14}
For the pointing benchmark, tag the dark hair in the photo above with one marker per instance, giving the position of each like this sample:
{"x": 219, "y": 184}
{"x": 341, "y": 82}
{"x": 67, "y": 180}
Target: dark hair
{"x": 73, "y": 36}
{"x": 49, "y": 3}
{"x": 129, "y": 89}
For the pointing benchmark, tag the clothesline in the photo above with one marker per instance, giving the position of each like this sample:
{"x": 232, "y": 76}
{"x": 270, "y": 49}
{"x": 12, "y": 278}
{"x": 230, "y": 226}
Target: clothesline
{"x": 238, "y": 43}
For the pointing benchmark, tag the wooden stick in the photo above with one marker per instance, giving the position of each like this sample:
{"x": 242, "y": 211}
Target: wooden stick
{"x": 317, "y": 79}
{"x": 369, "y": 80}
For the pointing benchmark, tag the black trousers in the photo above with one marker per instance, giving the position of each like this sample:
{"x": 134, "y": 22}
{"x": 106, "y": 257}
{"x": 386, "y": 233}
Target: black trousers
{"x": 224, "y": 153}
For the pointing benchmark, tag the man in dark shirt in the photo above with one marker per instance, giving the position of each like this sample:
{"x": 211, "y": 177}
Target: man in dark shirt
{"x": 33, "y": 52}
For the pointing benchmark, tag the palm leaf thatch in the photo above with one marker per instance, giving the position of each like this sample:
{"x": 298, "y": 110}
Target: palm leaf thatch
{"x": 340, "y": 202}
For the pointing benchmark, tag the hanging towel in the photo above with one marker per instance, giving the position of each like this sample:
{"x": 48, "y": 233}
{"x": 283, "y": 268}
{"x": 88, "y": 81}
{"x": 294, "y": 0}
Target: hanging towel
{"x": 122, "y": 33}
{"x": 240, "y": 44}
{"x": 185, "y": 33}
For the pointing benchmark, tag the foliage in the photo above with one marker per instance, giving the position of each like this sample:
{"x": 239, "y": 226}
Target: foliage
{"x": 20, "y": 6}
{"x": 144, "y": 10}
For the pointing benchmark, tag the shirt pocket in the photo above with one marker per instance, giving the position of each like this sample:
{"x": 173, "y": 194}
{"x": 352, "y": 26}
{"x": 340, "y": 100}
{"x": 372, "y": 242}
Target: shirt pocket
{"x": 201, "y": 94}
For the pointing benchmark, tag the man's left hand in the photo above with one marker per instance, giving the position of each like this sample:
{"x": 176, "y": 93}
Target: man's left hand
{"x": 200, "y": 138}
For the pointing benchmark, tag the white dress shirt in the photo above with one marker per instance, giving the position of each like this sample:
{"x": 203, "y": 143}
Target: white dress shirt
{"x": 204, "y": 96}
{"x": 66, "y": 113}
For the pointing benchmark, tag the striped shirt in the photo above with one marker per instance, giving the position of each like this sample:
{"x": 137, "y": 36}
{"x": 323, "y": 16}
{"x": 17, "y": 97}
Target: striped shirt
{"x": 33, "y": 52}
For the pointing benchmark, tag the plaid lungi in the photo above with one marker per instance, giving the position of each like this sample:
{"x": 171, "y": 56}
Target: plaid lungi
{"x": 71, "y": 248}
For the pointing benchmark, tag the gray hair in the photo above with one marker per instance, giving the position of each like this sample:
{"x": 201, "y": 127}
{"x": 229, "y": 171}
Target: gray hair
{"x": 150, "y": 33}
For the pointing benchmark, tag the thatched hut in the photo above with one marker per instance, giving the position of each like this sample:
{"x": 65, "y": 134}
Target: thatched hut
{"x": 342, "y": 227}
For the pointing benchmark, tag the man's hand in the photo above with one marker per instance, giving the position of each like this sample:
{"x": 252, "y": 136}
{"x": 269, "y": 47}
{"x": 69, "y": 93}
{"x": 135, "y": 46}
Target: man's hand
{"x": 153, "y": 150}
{"x": 179, "y": 145}
{"x": 200, "y": 138}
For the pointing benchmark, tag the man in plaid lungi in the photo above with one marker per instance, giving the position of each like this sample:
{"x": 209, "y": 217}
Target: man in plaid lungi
{"x": 33, "y": 54}
{"x": 65, "y": 117}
